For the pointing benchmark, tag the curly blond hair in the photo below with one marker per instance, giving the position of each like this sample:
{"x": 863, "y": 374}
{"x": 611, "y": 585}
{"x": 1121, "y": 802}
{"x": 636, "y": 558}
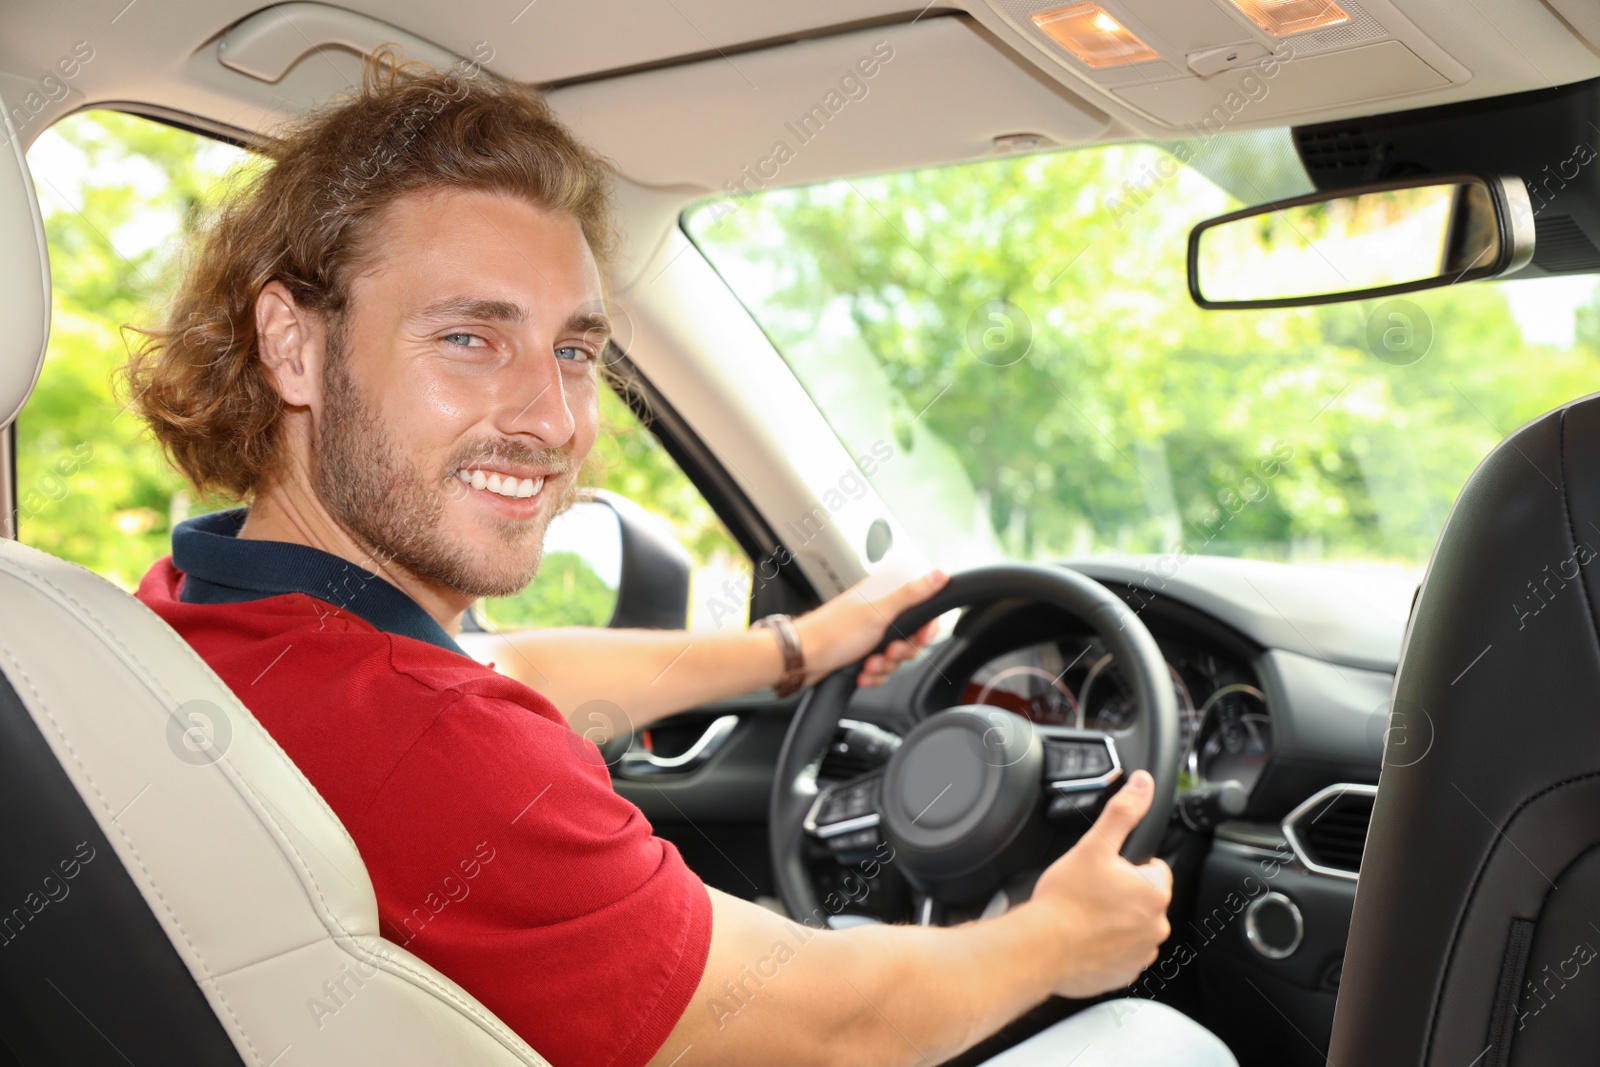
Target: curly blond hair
{"x": 307, "y": 220}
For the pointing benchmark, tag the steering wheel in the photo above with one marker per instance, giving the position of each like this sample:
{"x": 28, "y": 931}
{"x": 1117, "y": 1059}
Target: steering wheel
{"x": 975, "y": 795}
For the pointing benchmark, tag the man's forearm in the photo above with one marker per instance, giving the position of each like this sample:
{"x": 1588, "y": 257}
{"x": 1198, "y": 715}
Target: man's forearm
{"x": 780, "y": 993}
{"x": 646, "y": 673}
{"x": 775, "y": 992}
{"x": 944, "y": 990}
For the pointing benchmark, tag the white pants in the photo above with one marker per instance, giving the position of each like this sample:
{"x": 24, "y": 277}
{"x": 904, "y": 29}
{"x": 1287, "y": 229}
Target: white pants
{"x": 1119, "y": 1033}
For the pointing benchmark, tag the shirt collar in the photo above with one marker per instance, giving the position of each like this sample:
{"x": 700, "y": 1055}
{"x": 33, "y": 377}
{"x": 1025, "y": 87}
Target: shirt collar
{"x": 220, "y": 568}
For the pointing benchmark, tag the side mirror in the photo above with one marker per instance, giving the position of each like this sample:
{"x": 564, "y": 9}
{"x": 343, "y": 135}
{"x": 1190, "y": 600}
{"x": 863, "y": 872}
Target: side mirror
{"x": 607, "y": 562}
{"x": 653, "y": 587}
{"x": 1374, "y": 240}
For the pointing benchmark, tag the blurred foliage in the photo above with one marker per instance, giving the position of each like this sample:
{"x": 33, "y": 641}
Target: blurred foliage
{"x": 628, "y": 459}
{"x": 120, "y": 196}
{"x": 1098, "y": 408}
{"x": 92, "y": 487}
{"x": 567, "y": 592}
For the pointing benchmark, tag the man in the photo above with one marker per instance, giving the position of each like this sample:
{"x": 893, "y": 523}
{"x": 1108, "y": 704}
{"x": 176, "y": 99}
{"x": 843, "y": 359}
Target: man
{"x": 388, "y": 346}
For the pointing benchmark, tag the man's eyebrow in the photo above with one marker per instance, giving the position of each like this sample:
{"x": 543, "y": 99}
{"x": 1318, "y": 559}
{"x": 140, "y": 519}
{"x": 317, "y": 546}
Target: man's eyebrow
{"x": 483, "y": 310}
{"x": 589, "y": 322}
{"x": 474, "y": 308}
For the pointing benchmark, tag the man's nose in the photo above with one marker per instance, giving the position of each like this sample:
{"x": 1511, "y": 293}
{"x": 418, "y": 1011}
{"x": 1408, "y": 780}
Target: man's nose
{"x": 539, "y": 407}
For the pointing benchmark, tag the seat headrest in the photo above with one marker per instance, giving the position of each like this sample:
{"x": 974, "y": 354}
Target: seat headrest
{"x": 24, "y": 277}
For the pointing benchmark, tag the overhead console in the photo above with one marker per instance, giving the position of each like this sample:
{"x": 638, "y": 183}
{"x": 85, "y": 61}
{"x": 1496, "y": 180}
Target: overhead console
{"x": 1210, "y": 64}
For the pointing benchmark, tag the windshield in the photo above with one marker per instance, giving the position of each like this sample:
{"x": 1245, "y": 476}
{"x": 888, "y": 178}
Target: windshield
{"x": 1018, "y": 331}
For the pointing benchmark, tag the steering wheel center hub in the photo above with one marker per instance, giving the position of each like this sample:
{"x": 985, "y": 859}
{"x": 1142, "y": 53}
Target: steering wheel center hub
{"x": 958, "y": 793}
{"x": 953, "y": 758}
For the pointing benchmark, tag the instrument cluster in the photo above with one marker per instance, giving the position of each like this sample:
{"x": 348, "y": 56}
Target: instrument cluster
{"x": 1074, "y": 681}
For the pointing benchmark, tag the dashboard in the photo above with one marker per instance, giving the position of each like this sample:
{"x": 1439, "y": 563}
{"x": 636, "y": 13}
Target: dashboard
{"x": 1282, "y": 673}
{"x": 1072, "y": 680}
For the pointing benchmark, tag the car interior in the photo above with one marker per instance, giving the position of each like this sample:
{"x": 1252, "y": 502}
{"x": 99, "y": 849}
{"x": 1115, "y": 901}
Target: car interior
{"x": 1235, "y": 357}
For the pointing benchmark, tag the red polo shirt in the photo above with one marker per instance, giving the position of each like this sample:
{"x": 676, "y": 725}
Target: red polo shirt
{"x": 498, "y": 849}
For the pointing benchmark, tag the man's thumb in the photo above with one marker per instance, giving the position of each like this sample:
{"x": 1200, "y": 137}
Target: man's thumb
{"x": 917, "y": 590}
{"x": 1123, "y": 811}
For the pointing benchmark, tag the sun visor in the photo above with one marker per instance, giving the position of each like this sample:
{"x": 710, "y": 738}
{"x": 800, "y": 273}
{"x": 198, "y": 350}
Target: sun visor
{"x": 938, "y": 90}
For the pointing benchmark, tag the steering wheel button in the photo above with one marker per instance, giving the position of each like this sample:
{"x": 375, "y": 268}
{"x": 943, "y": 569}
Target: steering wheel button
{"x": 1096, "y": 761}
{"x": 1073, "y": 760}
{"x": 856, "y": 841}
{"x": 1068, "y": 762}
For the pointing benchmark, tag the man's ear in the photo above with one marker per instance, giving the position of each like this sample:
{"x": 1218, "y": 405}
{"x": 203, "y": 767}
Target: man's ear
{"x": 289, "y": 342}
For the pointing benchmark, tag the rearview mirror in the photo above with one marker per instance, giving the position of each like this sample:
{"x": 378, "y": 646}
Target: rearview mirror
{"x": 1376, "y": 240}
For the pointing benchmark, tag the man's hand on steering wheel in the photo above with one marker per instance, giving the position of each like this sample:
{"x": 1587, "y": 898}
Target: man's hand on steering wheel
{"x": 851, "y": 625}
{"x": 1113, "y": 912}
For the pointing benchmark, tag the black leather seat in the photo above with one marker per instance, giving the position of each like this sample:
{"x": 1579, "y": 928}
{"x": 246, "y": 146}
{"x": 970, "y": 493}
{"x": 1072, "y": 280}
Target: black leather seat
{"x": 1476, "y": 935}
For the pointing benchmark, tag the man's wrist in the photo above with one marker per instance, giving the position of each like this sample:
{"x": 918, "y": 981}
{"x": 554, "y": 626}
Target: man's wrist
{"x": 1046, "y": 929}
{"x": 793, "y": 674}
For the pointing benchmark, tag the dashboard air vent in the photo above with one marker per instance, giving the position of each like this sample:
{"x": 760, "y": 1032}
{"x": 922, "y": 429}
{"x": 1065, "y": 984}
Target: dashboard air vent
{"x": 1329, "y": 831}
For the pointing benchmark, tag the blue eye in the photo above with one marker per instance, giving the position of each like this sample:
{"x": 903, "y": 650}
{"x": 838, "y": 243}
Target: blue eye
{"x": 461, "y": 340}
{"x": 578, "y": 353}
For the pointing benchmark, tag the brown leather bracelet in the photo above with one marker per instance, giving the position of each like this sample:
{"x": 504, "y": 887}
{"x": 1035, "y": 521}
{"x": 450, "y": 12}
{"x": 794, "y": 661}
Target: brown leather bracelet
{"x": 794, "y": 660}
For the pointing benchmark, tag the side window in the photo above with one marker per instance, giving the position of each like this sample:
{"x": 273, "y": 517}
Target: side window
{"x": 120, "y": 195}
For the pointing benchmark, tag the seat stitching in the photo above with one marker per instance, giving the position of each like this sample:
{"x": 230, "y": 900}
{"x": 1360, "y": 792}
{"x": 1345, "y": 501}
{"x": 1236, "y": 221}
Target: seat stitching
{"x": 1572, "y": 530}
{"x": 183, "y": 648}
{"x": 402, "y": 968}
{"x": 44, "y": 706}
{"x": 440, "y": 990}
{"x": 151, "y": 679}
{"x": 490, "y": 1022}
{"x": 1472, "y": 895}
{"x": 1483, "y": 866}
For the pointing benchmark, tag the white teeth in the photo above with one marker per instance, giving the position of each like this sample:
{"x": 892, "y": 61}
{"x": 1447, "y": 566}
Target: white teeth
{"x": 506, "y": 485}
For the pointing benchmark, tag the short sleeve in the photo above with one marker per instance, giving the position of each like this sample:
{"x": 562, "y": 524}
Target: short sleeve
{"x": 502, "y": 856}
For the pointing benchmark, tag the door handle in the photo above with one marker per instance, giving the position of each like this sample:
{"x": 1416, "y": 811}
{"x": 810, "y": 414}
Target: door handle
{"x": 637, "y": 761}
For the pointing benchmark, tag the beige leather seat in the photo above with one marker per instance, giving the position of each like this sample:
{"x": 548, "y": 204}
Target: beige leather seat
{"x": 165, "y": 899}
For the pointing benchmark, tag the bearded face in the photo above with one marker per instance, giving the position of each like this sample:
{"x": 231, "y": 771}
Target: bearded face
{"x": 455, "y": 395}
{"x": 399, "y": 506}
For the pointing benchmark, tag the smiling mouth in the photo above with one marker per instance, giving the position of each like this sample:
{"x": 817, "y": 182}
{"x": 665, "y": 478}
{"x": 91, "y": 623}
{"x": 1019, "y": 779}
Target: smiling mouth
{"x": 506, "y": 485}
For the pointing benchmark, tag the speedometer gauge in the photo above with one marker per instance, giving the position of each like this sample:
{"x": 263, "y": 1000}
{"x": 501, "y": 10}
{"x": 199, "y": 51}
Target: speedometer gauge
{"x": 1049, "y": 703}
{"x": 1071, "y": 682}
{"x": 1235, "y": 737}
{"x": 1028, "y": 682}
{"x": 1106, "y": 703}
